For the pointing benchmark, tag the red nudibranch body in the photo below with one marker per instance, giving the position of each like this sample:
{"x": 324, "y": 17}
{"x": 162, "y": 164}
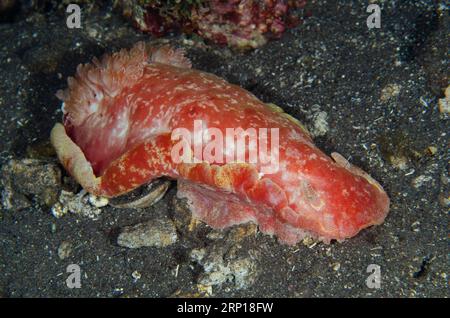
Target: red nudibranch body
{"x": 119, "y": 115}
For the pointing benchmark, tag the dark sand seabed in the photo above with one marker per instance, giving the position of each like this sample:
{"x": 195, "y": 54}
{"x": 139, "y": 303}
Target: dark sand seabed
{"x": 371, "y": 95}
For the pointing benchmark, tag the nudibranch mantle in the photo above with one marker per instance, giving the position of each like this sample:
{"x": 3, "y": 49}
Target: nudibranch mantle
{"x": 120, "y": 111}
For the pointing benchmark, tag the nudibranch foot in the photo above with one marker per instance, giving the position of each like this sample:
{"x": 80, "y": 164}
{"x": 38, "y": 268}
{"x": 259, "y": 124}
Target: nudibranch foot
{"x": 221, "y": 209}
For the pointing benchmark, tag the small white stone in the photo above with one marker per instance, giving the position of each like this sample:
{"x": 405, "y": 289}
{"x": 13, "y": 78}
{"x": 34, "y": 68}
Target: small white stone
{"x": 444, "y": 103}
{"x": 136, "y": 275}
{"x": 58, "y": 210}
{"x": 336, "y": 266}
{"x": 98, "y": 202}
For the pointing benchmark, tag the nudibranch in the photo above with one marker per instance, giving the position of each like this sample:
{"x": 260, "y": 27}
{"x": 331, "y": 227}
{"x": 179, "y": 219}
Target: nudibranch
{"x": 119, "y": 118}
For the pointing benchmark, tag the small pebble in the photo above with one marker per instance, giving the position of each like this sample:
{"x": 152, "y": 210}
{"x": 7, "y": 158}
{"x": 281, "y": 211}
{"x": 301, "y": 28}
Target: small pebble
{"x": 390, "y": 91}
{"x": 98, "y": 202}
{"x": 159, "y": 233}
{"x": 136, "y": 275}
{"x": 336, "y": 266}
{"x": 444, "y": 103}
{"x": 64, "y": 250}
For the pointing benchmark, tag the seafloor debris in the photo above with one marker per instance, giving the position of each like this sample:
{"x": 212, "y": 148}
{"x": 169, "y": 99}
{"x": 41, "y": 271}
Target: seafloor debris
{"x": 64, "y": 250}
{"x": 77, "y": 203}
{"x": 421, "y": 180}
{"x": 444, "y": 103}
{"x": 223, "y": 261}
{"x": 318, "y": 120}
{"x": 223, "y": 265}
{"x": 399, "y": 149}
{"x": 182, "y": 217}
{"x": 25, "y": 179}
{"x": 390, "y": 91}
{"x": 158, "y": 232}
{"x": 136, "y": 276}
{"x": 237, "y": 23}
{"x": 98, "y": 202}
{"x": 444, "y": 199}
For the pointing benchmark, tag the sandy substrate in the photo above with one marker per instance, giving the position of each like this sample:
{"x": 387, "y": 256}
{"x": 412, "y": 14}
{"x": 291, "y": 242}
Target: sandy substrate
{"x": 371, "y": 95}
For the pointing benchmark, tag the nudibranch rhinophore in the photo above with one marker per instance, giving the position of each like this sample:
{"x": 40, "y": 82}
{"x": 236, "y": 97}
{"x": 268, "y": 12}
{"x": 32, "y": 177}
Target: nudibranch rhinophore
{"x": 120, "y": 115}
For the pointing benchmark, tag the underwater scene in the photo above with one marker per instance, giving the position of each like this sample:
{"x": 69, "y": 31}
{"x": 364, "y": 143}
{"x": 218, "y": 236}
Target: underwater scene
{"x": 224, "y": 149}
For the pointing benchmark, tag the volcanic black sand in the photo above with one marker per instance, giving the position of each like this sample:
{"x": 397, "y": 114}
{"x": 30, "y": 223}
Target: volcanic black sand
{"x": 371, "y": 95}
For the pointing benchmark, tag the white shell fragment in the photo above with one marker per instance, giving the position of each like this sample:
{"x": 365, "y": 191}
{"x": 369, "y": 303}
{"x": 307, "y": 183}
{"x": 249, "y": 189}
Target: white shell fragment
{"x": 98, "y": 202}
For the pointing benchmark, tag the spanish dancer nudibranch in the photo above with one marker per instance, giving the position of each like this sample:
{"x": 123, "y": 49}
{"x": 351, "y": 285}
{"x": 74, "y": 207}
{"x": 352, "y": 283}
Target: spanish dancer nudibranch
{"x": 120, "y": 113}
